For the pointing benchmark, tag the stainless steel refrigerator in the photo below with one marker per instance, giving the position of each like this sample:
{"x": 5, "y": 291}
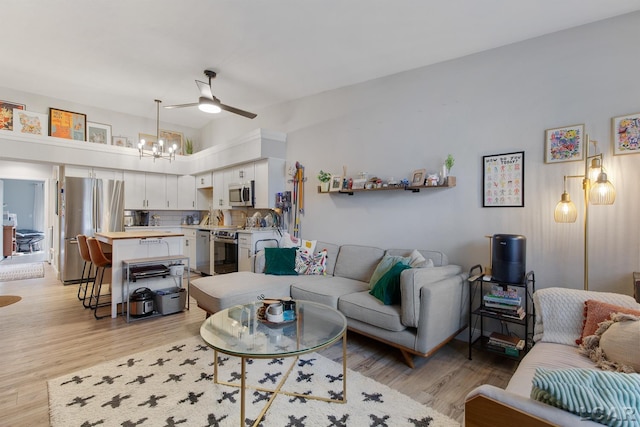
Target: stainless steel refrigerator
{"x": 88, "y": 206}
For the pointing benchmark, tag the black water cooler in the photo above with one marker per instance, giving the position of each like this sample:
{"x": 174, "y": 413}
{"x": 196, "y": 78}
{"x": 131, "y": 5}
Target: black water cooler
{"x": 508, "y": 258}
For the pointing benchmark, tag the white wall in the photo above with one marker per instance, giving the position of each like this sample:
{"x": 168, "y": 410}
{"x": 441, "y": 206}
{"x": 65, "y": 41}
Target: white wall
{"x": 494, "y": 102}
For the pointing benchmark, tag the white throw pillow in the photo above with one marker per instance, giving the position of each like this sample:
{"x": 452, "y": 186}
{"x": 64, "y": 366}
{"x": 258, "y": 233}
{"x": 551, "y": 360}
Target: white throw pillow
{"x": 416, "y": 260}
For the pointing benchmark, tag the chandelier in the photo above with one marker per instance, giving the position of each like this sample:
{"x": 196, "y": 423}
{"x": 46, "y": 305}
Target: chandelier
{"x": 157, "y": 150}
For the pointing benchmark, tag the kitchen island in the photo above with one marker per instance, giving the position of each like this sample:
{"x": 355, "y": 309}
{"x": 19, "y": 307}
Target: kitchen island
{"x": 135, "y": 245}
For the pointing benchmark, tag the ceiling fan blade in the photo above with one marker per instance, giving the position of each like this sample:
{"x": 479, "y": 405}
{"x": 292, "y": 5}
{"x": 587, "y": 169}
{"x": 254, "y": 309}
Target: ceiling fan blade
{"x": 205, "y": 89}
{"x": 238, "y": 111}
{"x": 169, "y": 107}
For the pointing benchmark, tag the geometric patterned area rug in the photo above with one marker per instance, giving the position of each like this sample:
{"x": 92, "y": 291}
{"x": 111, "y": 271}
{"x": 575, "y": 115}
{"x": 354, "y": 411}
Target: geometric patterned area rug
{"x": 172, "y": 385}
{"x": 32, "y": 270}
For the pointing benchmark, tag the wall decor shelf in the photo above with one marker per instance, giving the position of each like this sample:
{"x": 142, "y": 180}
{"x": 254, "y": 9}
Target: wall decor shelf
{"x": 413, "y": 189}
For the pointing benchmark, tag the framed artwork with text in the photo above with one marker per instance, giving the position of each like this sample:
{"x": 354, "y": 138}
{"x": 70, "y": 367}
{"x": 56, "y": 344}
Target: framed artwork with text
{"x": 67, "y": 124}
{"x": 503, "y": 180}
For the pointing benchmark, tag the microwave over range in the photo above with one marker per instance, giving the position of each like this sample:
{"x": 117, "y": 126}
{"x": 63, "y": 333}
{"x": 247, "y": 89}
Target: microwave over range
{"x": 242, "y": 194}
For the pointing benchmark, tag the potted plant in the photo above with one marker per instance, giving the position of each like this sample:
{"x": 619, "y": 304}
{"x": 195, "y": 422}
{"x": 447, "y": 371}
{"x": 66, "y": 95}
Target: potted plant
{"x": 188, "y": 146}
{"x": 324, "y": 178}
{"x": 448, "y": 164}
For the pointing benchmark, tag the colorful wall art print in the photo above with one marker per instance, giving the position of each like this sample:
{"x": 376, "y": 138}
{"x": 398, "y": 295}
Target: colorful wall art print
{"x": 503, "y": 180}
{"x": 28, "y": 123}
{"x": 626, "y": 134}
{"x": 68, "y": 125}
{"x": 564, "y": 144}
{"x": 6, "y": 114}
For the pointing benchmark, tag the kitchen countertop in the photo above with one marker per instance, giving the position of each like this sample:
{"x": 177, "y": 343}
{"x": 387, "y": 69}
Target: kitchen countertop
{"x": 110, "y": 236}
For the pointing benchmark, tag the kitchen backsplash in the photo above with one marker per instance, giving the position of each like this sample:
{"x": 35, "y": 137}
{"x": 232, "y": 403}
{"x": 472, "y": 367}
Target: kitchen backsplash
{"x": 238, "y": 217}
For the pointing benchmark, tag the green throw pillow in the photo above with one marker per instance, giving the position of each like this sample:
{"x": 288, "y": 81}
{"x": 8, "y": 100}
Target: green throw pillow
{"x": 280, "y": 261}
{"x": 387, "y": 289}
{"x": 384, "y": 266}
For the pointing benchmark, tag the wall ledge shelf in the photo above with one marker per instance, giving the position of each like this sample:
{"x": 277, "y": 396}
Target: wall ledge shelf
{"x": 413, "y": 189}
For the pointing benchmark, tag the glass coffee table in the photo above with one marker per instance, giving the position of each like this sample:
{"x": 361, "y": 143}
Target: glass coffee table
{"x": 237, "y": 331}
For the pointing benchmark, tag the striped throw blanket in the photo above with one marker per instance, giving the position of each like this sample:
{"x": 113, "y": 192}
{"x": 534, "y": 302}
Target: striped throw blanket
{"x": 609, "y": 398}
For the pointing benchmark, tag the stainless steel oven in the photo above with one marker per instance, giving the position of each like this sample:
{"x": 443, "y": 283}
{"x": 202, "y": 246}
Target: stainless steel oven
{"x": 224, "y": 256}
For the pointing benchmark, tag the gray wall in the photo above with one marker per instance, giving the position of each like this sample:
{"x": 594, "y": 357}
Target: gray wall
{"x": 498, "y": 101}
{"x": 19, "y": 199}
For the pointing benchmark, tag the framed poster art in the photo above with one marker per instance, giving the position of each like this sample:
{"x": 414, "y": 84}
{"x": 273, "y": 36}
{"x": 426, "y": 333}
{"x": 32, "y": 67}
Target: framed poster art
{"x": 149, "y": 140}
{"x": 565, "y": 144}
{"x": 503, "y": 180}
{"x": 98, "y": 133}
{"x": 28, "y": 123}
{"x": 171, "y": 137}
{"x": 7, "y": 109}
{"x": 626, "y": 134}
{"x": 67, "y": 124}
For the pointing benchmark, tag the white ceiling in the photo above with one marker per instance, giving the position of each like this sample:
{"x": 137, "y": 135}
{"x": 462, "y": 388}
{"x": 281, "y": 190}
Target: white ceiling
{"x": 122, "y": 54}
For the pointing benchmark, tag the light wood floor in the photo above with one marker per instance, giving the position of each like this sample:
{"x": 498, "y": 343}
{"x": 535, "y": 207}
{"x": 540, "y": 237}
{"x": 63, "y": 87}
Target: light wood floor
{"x": 48, "y": 334}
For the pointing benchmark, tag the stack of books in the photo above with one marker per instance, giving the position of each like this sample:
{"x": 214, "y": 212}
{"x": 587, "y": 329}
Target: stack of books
{"x": 503, "y": 302}
{"x": 505, "y": 343}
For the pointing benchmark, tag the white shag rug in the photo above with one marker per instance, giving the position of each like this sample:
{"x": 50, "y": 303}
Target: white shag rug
{"x": 32, "y": 270}
{"x": 173, "y": 385}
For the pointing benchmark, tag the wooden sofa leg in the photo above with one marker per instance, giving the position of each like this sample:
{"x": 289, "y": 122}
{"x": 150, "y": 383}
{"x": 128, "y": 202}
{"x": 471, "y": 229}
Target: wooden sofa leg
{"x": 408, "y": 358}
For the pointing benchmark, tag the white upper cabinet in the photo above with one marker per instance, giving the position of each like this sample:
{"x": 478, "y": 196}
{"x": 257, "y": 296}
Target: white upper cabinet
{"x": 145, "y": 190}
{"x": 269, "y": 180}
{"x": 86, "y": 172}
{"x": 220, "y": 192}
{"x": 187, "y": 192}
{"x": 204, "y": 180}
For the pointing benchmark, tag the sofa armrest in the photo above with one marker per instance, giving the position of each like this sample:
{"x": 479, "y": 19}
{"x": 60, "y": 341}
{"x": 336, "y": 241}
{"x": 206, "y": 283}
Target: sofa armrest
{"x": 411, "y": 282}
{"x": 488, "y": 405}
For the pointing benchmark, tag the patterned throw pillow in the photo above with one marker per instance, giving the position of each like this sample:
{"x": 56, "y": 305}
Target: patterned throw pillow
{"x": 598, "y": 311}
{"x": 311, "y": 264}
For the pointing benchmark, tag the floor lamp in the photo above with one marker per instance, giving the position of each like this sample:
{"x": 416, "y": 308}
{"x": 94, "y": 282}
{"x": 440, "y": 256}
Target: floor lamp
{"x": 597, "y": 191}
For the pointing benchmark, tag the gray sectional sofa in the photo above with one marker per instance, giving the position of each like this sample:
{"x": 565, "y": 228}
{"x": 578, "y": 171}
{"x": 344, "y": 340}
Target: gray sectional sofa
{"x": 433, "y": 308}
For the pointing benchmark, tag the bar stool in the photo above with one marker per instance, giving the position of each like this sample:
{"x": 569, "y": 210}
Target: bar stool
{"x": 101, "y": 262}
{"x": 83, "y": 248}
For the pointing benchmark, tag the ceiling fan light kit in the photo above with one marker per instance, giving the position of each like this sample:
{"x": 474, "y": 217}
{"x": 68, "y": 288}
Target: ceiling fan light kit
{"x": 209, "y": 103}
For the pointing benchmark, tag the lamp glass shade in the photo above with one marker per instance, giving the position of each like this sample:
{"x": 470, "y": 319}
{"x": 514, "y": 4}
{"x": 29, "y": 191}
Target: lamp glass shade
{"x": 602, "y": 192}
{"x": 565, "y": 210}
{"x": 208, "y": 106}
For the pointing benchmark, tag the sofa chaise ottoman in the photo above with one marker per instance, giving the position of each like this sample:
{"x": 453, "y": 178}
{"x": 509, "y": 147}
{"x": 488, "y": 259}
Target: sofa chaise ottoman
{"x": 431, "y": 311}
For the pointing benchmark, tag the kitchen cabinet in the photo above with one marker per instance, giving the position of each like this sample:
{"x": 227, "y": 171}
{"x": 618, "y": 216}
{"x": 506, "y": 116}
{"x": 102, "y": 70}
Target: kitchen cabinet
{"x": 171, "y": 182}
{"x": 204, "y": 180}
{"x": 187, "y": 193}
{"x": 269, "y": 180}
{"x": 86, "y": 172}
{"x": 250, "y": 241}
{"x": 189, "y": 246}
{"x": 240, "y": 174}
{"x": 220, "y": 192}
{"x": 145, "y": 190}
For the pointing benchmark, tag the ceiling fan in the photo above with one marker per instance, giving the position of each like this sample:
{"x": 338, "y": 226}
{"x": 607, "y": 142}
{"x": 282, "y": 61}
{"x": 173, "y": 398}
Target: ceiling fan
{"x": 208, "y": 102}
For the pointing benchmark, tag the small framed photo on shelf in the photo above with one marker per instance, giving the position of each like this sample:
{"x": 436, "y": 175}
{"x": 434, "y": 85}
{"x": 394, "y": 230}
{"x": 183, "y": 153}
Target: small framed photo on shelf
{"x": 121, "y": 141}
{"x": 28, "y": 123}
{"x": 417, "y": 177}
{"x": 565, "y": 144}
{"x": 626, "y": 134}
{"x": 336, "y": 183}
{"x": 98, "y": 133}
{"x": 7, "y": 114}
{"x": 67, "y": 124}
{"x": 503, "y": 180}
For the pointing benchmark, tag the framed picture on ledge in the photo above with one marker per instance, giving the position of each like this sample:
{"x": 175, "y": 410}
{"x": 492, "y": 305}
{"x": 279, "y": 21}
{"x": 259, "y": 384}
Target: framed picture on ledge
{"x": 67, "y": 124}
{"x": 336, "y": 183}
{"x": 503, "y": 180}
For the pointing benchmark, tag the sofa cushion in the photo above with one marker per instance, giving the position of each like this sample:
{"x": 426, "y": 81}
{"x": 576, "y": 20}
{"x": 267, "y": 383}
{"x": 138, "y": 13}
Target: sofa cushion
{"x": 384, "y": 266}
{"x": 280, "y": 261}
{"x": 332, "y": 255}
{"x": 325, "y": 289}
{"x": 357, "y": 262}
{"x": 387, "y": 288}
{"x": 215, "y": 293}
{"x": 439, "y": 259}
{"x": 545, "y": 355}
{"x": 559, "y": 312}
{"x": 590, "y": 393}
{"x": 596, "y": 312}
{"x": 311, "y": 264}
{"x": 616, "y": 344}
{"x": 366, "y": 308}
